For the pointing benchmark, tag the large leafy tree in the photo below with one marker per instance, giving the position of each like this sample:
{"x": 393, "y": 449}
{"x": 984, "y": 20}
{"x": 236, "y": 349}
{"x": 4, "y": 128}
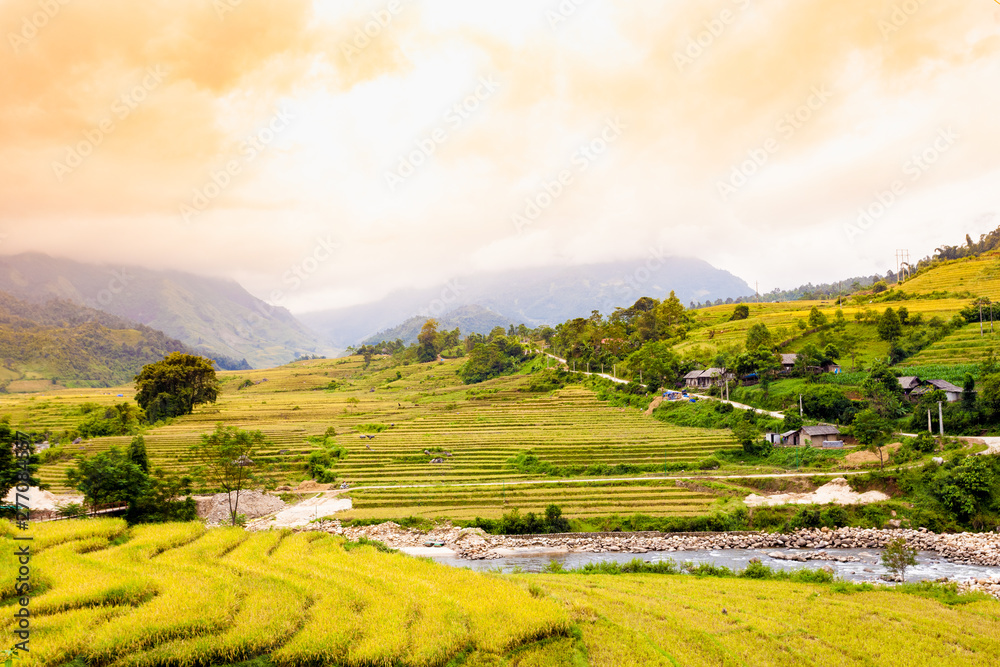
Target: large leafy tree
{"x": 226, "y": 463}
{"x": 175, "y": 385}
{"x": 871, "y": 430}
{"x": 889, "y": 326}
{"x": 427, "y": 341}
{"x": 108, "y": 477}
{"x": 10, "y": 470}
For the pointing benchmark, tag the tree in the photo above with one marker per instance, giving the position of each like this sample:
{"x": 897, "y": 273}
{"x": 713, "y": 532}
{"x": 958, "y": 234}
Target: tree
{"x": 816, "y": 318}
{"x": 120, "y": 419}
{"x": 108, "y": 477}
{"x": 226, "y": 463}
{"x": 889, "y": 327}
{"x": 897, "y": 557}
{"x": 137, "y": 453}
{"x": 740, "y": 312}
{"x": 883, "y": 390}
{"x": 870, "y": 429}
{"x": 792, "y": 421}
{"x": 759, "y": 336}
{"x": 427, "y": 341}
{"x": 672, "y": 310}
{"x": 173, "y": 386}
{"x": 10, "y": 469}
{"x": 969, "y": 393}
{"x": 747, "y": 433}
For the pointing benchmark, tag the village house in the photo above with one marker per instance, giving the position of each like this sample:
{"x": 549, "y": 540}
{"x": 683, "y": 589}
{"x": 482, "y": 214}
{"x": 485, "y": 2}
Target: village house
{"x": 814, "y": 436}
{"x": 952, "y": 392}
{"x": 788, "y": 362}
{"x": 909, "y": 383}
{"x": 707, "y": 378}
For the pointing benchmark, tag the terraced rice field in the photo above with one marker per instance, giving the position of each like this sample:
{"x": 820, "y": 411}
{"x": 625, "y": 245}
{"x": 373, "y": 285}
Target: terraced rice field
{"x": 965, "y": 346}
{"x": 176, "y": 594}
{"x": 978, "y": 275}
{"x": 654, "y": 498}
{"x": 682, "y": 620}
{"x": 426, "y": 408}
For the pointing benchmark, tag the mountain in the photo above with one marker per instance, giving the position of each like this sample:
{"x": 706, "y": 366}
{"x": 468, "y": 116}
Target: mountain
{"x": 215, "y": 317}
{"x": 58, "y": 343}
{"x": 469, "y": 319}
{"x": 534, "y": 296}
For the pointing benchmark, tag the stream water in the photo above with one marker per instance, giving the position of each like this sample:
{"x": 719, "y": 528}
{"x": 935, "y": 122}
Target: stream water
{"x": 929, "y": 566}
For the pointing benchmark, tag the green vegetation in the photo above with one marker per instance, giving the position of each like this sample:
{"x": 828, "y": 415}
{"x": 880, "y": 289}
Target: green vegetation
{"x": 225, "y": 461}
{"x": 175, "y": 386}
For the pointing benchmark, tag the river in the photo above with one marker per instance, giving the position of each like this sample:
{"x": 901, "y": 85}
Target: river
{"x": 929, "y": 565}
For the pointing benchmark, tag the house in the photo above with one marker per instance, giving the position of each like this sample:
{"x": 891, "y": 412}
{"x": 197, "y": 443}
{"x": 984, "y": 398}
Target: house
{"x": 788, "y": 362}
{"x": 831, "y": 367}
{"x": 691, "y": 379}
{"x": 786, "y": 439}
{"x": 817, "y": 435}
{"x": 953, "y": 392}
{"x": 707, "y": 378}
{"x": 909, "y": 383}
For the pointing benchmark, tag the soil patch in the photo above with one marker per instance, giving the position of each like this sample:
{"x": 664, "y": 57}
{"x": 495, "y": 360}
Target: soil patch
{"x": 837, "y": 491}
{"x": 252, "y": 504}
{"x": 863, "y": 456}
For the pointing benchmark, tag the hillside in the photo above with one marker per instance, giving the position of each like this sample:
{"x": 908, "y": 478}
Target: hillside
{"x": 212, "y": 316}
{"x": 535, "y": 296}
{"x": 43, "y": 346}
{"x": 468, "y": 319}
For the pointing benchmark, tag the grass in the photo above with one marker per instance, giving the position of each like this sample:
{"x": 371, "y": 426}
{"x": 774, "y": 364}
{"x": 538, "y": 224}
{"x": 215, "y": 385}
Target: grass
{"x": 176, "y": 594}
{"x": 648, "y": 619}
{"x": 276, "y": 599}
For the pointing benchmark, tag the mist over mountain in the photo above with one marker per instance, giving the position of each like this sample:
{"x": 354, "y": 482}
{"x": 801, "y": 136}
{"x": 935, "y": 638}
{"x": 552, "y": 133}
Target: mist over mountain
{"x": 212, "y": 316}
{"x": 468, "y": 319}
{"x": 533, "y": 296}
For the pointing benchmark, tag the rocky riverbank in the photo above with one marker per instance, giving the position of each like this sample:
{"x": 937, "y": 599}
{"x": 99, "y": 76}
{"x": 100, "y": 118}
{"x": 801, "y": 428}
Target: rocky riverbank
{"x": 474, "y": 544}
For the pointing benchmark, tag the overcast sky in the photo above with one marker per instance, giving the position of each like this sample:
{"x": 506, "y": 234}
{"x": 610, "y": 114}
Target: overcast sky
{"x": 325, "y": 153}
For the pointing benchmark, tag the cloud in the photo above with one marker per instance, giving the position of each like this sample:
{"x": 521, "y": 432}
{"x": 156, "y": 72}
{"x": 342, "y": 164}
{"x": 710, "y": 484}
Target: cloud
{"x": 752, "y": 129}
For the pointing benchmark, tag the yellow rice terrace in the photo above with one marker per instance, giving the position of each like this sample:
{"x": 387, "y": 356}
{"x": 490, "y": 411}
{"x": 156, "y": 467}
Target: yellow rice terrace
{"x": 180, "y": 595}
{"x": 176, "y": 594}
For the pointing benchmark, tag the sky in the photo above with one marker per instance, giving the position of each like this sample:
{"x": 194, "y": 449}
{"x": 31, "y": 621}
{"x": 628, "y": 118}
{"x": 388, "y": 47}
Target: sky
{"x": 325, "y": 153}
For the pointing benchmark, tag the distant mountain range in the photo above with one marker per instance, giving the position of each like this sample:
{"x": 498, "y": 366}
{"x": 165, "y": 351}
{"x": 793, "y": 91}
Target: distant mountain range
{"x": 468, "y": 319}
{"x": 530, "y": 296}
{"x": 217, "y": 318}
{"x": 58, "y": 343}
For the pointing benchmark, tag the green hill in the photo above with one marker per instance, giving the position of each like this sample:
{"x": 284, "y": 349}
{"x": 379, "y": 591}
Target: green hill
{"x": 44, "y": 346}
{"x": 217, "y": 318}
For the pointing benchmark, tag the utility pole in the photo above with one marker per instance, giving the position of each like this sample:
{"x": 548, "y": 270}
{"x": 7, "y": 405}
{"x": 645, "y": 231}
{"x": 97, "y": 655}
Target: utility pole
{"x": 801, "y": 411}
{"x": 930, "y": 426}
{"x": 941, "y": 420}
